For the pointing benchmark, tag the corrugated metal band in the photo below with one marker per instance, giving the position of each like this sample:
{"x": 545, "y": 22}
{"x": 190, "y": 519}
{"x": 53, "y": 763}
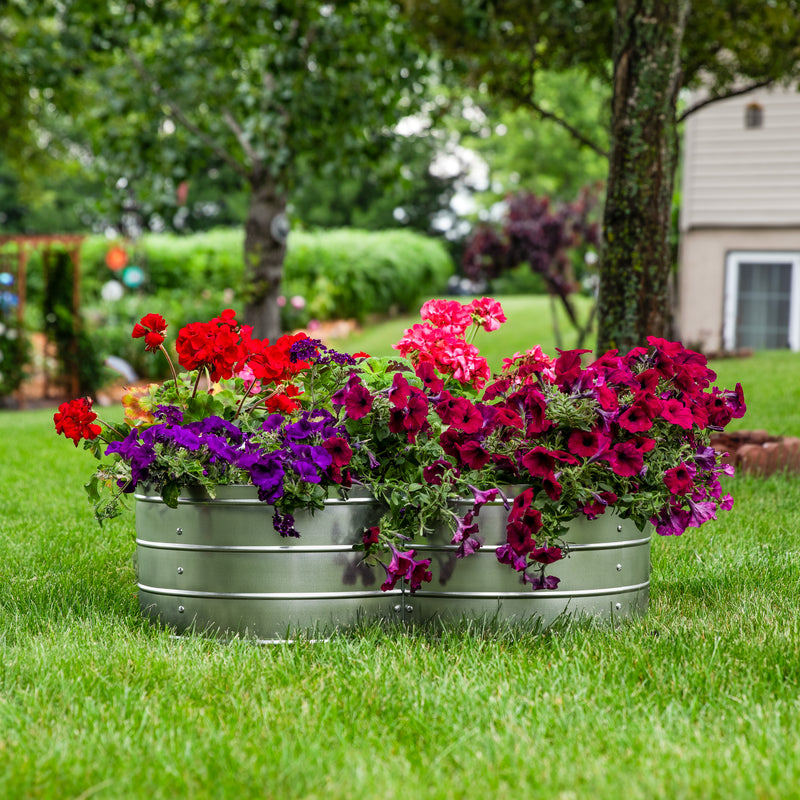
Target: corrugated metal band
{"x": 348, "y": 548}
{"x": 243, "y": 501}
{"x": 544, "y": 594}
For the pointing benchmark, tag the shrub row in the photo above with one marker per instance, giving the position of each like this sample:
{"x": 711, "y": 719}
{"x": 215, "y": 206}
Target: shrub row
{"x": 339, "y": 274}
{"x": 327, "y": 275}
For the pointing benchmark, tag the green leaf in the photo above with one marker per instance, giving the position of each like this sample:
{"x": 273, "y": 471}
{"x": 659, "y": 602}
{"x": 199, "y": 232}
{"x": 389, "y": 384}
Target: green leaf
{"x": 169, "y": 494}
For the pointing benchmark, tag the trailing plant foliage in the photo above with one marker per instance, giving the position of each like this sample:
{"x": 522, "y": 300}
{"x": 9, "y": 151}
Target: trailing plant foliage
{"x": 627, "y": 434}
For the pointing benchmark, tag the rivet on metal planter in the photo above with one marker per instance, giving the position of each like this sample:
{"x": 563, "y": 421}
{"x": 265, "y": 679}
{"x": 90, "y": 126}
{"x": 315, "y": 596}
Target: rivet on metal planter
{"x": 618, "y": 606}
{"x": 179, "y": 531}
{"x": 181, "y": 609}
{"x": 619, "y": 567}
{"x": 619, "y": 528}
{"x": 180, "y": 570}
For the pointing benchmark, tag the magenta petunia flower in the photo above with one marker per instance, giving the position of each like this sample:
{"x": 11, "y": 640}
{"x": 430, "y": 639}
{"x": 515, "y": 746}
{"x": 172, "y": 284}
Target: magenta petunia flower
{"x": 587, "y": 443}
{"x": 473, "y": 455}
{"x": 357, "y": 401}
{"x": 431, "y": 381}
{"x": 680, "y": 479}
{"x": 339, "y": 451}
{"x": 678, "y": 414}
{"x": 625, "y": 459}
{"x": 506, "y": 554}
{"x": 399, "y": 391}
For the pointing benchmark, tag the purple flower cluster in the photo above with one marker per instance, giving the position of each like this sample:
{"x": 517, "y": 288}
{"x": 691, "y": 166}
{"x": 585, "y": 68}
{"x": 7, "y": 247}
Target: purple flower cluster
{"x": 220, "y": 442}
{"x": 313, "y": 351}
{"x": 311, "y": 449}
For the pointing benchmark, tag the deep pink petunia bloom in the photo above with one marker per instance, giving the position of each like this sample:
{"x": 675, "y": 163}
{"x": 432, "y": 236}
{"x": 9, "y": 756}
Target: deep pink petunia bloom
{"x": 625, "y": 459}
{"x": 587, "y": 443}
{"x": 399, "y": 391}
{"x": 520, "y": 538}
{"x": 473, "y": 455}
{"x": 357, "y": 401}
{"x": 678, "y": 414}
{"x": 339, "y": 450}
{"x": 680, "y": 479}
{"x": 432, "y": 383}
{"x": 506, "y": 554}
{"x": 539, "y": 581}
{"x": 433, "y": 473}
{"x": 546, "y": 555}
{"x": 539, "y": 462}
{"x": 597, "y": 506}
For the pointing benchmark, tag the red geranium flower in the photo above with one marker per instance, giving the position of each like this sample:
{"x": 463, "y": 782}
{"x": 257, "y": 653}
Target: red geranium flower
{"x": 151, "y": 327}
{"x": 215, "y": 345}
{"x": 75, "y": 420}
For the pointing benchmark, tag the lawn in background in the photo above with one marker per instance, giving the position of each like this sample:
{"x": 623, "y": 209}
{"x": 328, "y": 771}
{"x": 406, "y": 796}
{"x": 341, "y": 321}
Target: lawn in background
{"x": 700, "y": 698}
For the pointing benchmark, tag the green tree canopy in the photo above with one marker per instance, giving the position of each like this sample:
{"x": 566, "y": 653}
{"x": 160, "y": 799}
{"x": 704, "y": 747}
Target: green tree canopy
{"x": 170, "y": 88}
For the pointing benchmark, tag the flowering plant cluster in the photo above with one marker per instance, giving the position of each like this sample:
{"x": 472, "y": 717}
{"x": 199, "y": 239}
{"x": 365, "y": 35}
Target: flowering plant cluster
{"x": 628, "y": 433}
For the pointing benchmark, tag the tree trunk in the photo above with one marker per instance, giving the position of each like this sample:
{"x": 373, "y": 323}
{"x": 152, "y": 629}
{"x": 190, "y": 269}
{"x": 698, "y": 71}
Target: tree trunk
{"x": 635, "y": 265}
{"x": 263, "y": 257}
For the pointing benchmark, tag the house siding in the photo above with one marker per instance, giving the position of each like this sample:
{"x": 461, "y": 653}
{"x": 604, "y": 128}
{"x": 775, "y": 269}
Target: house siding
{"x": 734, "y": 176}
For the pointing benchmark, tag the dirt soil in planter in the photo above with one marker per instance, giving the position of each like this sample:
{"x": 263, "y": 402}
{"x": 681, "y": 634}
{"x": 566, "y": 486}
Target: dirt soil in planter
{"x": 758, "y": 453}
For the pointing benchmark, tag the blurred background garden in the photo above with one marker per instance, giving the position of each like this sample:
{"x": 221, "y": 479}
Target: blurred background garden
{"x": 331, "y": 166}
{"x": 379, "y": 170}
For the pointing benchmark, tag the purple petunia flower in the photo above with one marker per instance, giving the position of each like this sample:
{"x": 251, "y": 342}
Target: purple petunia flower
{"x": 172, "y": 415}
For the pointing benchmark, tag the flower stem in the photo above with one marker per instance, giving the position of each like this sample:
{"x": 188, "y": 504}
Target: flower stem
{"x": 245, "y": 396}
{"x": 172, "y": 370}
{"x": 196, "y": 383}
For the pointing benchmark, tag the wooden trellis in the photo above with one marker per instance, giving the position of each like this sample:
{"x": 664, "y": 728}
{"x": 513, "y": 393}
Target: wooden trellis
{"x": 16, "y": 262}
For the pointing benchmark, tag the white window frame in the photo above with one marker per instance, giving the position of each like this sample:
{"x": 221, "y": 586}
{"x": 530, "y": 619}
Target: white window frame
{"x": 733, "y": 261}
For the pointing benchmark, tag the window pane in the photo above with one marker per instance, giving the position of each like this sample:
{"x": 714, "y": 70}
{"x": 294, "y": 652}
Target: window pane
{"x": 762, "y": 318}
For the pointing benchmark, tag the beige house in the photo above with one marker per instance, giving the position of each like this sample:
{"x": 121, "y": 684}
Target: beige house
{"x": 739, "y": 279}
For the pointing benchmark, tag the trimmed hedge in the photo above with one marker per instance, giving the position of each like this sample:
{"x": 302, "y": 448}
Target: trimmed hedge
{"x": 340, "y": 273}
{"x": 351, "y": 273}
{"x": 327, "y": 275}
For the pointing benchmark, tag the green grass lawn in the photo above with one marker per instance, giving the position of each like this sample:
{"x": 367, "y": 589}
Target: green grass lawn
{"x": 700, "y": 698}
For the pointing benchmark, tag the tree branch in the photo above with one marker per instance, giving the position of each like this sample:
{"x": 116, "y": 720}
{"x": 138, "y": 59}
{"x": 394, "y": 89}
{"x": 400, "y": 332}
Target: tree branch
{"x": 241, "y": 138}
{"x": 574, "y": 132}
{"x": 733, "y": 93}
{"x": 177, "y": 112}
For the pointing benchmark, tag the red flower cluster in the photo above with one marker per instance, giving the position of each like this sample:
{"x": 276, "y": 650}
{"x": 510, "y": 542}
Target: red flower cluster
{"x": 271, "y": 363}
{"x": 75, "y": 420}
{"x": 525, "y": 432}
{"x": 215, "y": 345}
{"x": 151, "y": 327}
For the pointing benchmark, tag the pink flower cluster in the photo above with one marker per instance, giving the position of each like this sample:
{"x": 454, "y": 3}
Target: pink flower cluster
{"x": 443, "y": 343}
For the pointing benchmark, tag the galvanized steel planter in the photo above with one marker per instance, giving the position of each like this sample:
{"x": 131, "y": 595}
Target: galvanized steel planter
{"x": 217, "y": 565}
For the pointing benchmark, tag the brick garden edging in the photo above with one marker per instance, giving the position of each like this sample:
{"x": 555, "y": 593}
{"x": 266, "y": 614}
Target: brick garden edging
{"x": 758, "y": 453}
